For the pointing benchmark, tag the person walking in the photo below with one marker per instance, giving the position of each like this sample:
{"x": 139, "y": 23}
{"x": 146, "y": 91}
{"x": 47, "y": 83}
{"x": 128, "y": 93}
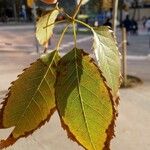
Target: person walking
{"x": 134, "y": 27}
{"x": 127, "y": 25}
{"x": 24, "y": 14}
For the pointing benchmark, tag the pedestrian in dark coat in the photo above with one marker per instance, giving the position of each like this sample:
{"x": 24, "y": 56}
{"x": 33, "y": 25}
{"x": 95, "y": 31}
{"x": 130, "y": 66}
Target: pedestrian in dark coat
{"x": 127, "y": 24}
{"x": 134, "y": 27}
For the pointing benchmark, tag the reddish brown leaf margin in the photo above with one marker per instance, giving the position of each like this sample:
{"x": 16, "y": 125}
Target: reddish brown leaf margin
{"x": 115, "y": 100}
{"x": 11, "y": 140}
{"x": 110, "y": 131}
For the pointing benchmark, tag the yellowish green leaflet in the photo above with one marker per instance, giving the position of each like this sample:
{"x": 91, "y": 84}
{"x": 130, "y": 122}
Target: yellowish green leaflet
{"x": 83, "y": 101}
{"x": 107, "y": 55}
{"x": 45, "y": 25}
{"x": 31, "y": 100}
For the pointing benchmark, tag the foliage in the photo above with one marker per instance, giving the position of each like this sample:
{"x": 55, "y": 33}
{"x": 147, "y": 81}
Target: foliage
{"x": 79, "y": 80}
{"x": 43, "y": 33}
{"x": 31, "y": 99}
{"x": 81, "y": 91}
{"x": 108, "y": 59}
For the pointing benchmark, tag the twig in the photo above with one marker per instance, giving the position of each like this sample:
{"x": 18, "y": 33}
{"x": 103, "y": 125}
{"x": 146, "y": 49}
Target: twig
{"x": 54, "y": 23}
{"x": 61, "y": 37}
{"x": 77, "y": 9}
{"x": 86, "y": 25}
{"x": 75, "y": 34}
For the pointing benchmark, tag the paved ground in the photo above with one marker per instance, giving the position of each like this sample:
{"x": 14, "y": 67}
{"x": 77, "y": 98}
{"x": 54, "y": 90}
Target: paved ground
{"x": 22, "y": 38}
{"x": 133, "y": 123}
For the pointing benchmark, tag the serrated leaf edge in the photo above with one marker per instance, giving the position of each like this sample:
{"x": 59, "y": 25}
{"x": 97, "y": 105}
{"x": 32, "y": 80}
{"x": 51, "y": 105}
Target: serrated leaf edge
{"x": 116, "y": 98}
{"x": 11, "y": 140}
{"x": 109, "y": 132}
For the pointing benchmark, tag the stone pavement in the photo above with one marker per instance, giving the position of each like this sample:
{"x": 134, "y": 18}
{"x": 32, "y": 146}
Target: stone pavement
{"x": 132, "y": 126}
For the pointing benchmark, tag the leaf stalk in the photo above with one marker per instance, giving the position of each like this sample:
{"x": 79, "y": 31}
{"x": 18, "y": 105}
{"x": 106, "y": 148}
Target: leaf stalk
{"x": 75, "y": 34}
{"x": 86, "y": 25}
{"x": 77, "y": 9}
{"x": 61, "y": 37}
{"x": 54, "y": 23}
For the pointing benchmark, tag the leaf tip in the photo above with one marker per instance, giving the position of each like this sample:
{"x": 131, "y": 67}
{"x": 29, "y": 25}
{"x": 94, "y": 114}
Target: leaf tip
{"x": 69, "y": 133}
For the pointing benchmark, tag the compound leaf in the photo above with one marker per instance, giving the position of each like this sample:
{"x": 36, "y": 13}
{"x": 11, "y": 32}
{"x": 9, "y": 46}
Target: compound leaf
{"x": 31, "y": 99}
{"x": 107, "y": 55}
{"x": 84, "y": 102}
{"x": 45, "y": 25}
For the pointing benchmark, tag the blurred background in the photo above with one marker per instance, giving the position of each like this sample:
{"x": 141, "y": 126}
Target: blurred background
{"x": 18, "y": 11}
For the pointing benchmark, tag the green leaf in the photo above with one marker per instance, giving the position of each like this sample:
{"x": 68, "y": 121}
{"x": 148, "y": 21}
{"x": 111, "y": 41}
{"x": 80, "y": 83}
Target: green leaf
{"x": 45, "y": 25}
{"x": 107, "y": 55}
{"x": 31, "y": 100}
{"x": 83, "y": 101}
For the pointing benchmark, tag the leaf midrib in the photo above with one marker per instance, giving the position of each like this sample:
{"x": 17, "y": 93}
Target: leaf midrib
{"x": 81, "y": 100}
{"x": 47, "y": 24}
{"x": 32, "y": 99}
